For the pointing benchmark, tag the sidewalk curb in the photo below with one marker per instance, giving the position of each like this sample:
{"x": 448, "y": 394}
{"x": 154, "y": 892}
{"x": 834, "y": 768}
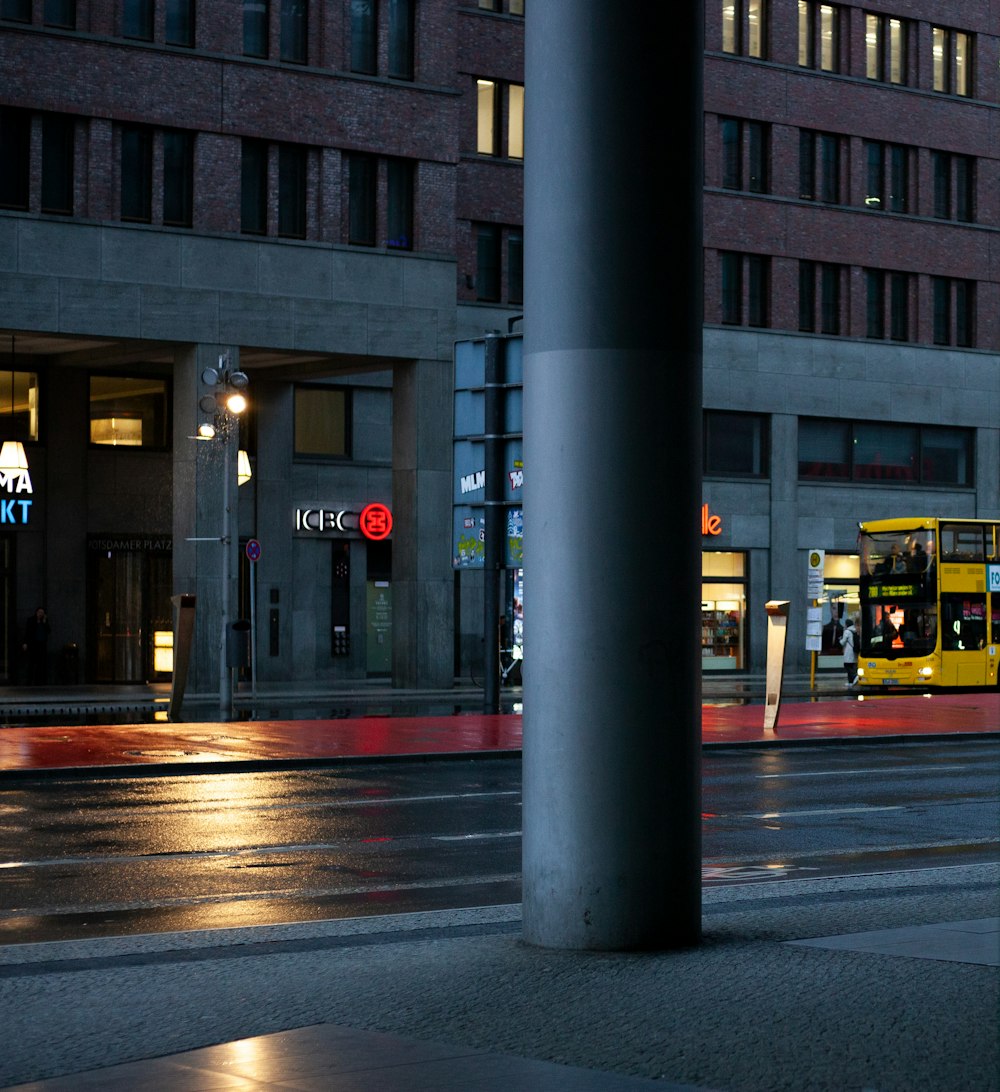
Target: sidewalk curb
{"x": 125, "y": 771}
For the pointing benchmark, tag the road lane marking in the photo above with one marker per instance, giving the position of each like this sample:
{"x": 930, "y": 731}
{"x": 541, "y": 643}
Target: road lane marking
{"x": 823, "y": 811}
{"x": 853, "y": 773}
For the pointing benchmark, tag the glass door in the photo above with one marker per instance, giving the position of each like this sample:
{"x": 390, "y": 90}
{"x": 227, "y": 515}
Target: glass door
{"x": 130, "y": 597}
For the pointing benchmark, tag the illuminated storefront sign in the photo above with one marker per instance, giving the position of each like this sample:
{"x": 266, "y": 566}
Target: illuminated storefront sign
{"x": 710, "y": 524}
{"x": 374, "y": 521}
{"x": 15, "y": 509}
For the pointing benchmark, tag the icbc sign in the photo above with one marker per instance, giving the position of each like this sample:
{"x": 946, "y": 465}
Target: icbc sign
{"x": 375, "y": 522}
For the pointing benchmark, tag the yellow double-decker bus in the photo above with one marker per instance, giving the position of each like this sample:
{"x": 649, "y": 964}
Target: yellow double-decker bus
{"x": 930, "y": 603}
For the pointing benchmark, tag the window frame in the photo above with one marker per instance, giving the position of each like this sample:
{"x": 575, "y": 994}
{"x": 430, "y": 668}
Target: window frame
{"x": 912, "y": 442}
{"x": 344, "y": 392}
{"x": 161, "y": 417}
{"x": 725, "y": 424}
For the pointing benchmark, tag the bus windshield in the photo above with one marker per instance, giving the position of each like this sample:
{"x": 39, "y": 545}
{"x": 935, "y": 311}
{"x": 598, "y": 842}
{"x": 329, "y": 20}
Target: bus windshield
{"x": 898, "y": 593}
{"x": 886, "y": 553}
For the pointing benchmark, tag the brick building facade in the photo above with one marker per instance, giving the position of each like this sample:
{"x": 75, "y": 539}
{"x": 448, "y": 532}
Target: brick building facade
{"x": 326, "y": 195}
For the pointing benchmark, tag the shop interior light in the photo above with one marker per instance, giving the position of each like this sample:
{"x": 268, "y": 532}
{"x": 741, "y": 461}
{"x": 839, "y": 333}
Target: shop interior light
{"x": 243, "y": 471}
{"x": 12, "y": 455}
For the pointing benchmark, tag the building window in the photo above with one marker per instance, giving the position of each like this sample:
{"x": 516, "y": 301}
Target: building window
{"x": 744, "y": 27}
{"x": 512, "y": 7}
{"x": 19, "y": 406}
{"x": 137, "y": 174}
{"x": 294, "y": 31}
{"x": 886, "y": 48}
{"x": 882, "y": 287}
{"x": 731, "y": 276}
{"x": 256, "y": 17}
{"x": 18, "y": 11}
{"x": 758, "y": 290}
{"x": 874, "y": 303}
{"x": 399, "y": 204}
{"x": 322, "y": 422}
{"x": 749, "y": 271}
{"x": 735, "y": 444}
{"x": 128, "y": 412}
{"x": 178, "y": 178}
{"x": 292, "y": 191}
{"x": 490, "y": 97}
{"x": 952, "y": 57}
{"x": 60, "y": 13}
{"x": 137, "y": 19}
{"x": 954, "y": 311}
{"x": 744, "y": 142}
{"x": 488, "y": 251}
{"x": 15, "y": 158}
{"x": 953, "y": 186}
{"x": 831, "y": 277}
{"x": 58, "y": 132}
{"x": 515, "y": 265}
{"x": 819, "y": 36}
{"x": 828, "y": 278}
{"x": 179, "y": 23}
{"x": 807, "y": 296}
{"x": 401, "y": 38}
{"x": 880, "y": 451}
{"x": 887, "y": 174}
{"x": 364, "y": 40}
{"x": 253, "y": 187}
{"x": 819, "y": 166}
{"x": 496, "y": 279}
{"x": 362, "y": 180}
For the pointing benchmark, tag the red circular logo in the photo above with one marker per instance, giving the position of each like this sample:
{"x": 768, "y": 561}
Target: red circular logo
{"x": 375, "y": 521}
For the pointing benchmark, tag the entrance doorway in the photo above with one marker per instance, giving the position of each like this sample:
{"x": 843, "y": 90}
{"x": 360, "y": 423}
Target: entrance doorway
{"x": 129, "y": 596}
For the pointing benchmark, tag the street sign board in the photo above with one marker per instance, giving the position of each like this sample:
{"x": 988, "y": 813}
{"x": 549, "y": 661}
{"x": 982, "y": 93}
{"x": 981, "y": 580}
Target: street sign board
{"x": 253, "y": 550}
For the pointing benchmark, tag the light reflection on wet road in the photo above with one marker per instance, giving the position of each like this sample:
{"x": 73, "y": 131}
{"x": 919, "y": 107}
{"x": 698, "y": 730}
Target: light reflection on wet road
{"x": 138, "y": 855}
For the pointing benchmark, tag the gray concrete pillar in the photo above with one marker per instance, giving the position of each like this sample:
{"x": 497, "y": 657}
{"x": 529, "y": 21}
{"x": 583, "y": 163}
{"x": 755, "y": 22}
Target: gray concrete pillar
{"x": 423, "y": 652}
{"x": 198, "y": 516}
{"x": 612, "y": 442}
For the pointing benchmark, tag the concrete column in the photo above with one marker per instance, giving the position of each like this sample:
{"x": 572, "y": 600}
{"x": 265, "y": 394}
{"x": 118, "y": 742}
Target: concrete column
{"x": 612, "y": 440}
{"x": 422, "y": 578}
{"x": 198, "y": 522}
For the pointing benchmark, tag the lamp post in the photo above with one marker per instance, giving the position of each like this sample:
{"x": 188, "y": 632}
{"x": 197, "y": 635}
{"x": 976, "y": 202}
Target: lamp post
{"x": 225, "y": 406}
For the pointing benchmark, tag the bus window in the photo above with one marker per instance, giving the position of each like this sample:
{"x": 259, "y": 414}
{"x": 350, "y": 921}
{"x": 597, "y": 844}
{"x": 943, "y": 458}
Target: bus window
{"x": 963, "y": 622}
{"x": 961, "y": 542}
{"x": 996, "y": 622}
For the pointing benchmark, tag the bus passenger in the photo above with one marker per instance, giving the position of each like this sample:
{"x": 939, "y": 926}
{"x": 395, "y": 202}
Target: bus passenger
{"x": 917, "y": 561}
{"x": 885, "y": 632}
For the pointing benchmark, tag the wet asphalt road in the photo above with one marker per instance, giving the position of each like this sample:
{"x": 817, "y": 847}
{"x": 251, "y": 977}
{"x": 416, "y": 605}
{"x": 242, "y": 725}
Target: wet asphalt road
{"x": 138, "y": 855}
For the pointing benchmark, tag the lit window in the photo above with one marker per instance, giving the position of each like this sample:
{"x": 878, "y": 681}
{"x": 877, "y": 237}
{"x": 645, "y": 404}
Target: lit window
{"x": 819, "y": 36}
{"x": 19, "y": 405}
{"x": 515, "y": 121}
{"x": 486, "y": 98}
{"x": 128, "y": 412}
{"x": 952, "y": 61}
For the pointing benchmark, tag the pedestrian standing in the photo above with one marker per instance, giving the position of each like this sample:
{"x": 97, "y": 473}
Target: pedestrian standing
{"x": 36, "y": 647}
{"x": 849, "y": 643}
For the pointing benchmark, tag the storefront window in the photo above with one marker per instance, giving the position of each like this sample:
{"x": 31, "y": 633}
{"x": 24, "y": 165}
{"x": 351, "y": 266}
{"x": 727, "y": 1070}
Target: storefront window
{"x": 840, "y": 601}
{"x": 128, "y": 412}
{"x": 723, "y": 611}
{"x": 19, "y": 406}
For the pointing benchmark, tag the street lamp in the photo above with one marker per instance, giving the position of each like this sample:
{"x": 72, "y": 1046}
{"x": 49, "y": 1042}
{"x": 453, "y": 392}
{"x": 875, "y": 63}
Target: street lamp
{"x": 225, "y": 405}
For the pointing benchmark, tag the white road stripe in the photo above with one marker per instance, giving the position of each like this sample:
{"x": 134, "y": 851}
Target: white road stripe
{"x": 822, "y": 811}
{"x": 845, "y": 770}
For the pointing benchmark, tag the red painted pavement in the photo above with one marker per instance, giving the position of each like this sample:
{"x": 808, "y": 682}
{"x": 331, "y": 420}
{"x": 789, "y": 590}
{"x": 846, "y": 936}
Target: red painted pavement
{"x": 47, "y": 748}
